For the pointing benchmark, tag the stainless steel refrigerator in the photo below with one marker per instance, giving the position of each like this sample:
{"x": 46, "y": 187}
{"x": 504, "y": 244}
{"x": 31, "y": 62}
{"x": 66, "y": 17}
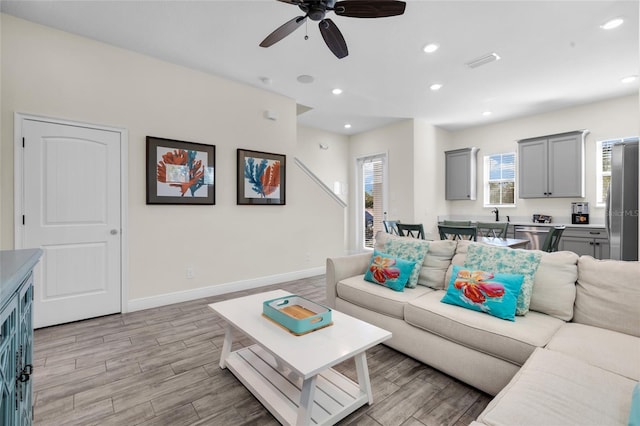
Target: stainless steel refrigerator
{"x": 622, "y": 202}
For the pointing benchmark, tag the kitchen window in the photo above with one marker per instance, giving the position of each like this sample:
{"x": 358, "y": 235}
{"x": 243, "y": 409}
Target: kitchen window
{"x": 603, "y": 167}
{"x": 500, "y": 180}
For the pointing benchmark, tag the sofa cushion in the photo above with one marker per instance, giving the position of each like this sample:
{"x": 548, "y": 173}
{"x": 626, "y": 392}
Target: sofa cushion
{"x": 377, "y": 298}
{"x": 613, "y": 351}
{"x": 608, "y": 295}
{"x": 482, "y": 291}
{"x": 554, "y": 285}
{"x": 435, "y": 263}
{"x": 507, "y": 261}
{"x": 389, "y": 271}
{"x": 556, "y": 389}
{"x": 409, "y": 249}
{"x": 510, "y": 341}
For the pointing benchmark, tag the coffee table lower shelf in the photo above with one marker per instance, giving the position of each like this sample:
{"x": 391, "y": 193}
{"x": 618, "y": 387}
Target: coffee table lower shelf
{"x": 280, "y": 390}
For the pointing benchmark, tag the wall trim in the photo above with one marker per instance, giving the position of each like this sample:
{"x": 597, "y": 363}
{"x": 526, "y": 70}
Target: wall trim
{"x": 216, "y": 290}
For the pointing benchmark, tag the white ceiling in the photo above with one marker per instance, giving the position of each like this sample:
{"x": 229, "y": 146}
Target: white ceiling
{"x": 554, "y": 54}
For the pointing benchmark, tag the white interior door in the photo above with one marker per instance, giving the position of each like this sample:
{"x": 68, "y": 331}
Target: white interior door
{"x": 72, "y": 210}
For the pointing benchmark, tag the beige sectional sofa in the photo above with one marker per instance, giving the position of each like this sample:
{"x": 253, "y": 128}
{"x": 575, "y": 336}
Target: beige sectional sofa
{"x": 574, "y": 358}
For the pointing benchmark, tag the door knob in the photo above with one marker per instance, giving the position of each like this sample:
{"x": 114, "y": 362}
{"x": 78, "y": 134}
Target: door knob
{"x": 114, "y": 232}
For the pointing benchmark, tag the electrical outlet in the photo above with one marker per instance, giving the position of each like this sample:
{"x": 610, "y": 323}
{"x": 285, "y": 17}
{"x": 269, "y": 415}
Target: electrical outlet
{"x": 190, "y": 272}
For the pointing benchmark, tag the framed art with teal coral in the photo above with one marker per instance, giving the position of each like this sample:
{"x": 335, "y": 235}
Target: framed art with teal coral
{"x": 261, "y": 178}
{"x": 180, "y": 172}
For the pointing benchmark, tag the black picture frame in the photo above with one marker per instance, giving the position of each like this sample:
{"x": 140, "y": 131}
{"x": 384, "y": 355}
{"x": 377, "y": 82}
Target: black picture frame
{"x": 261, "y": 178}
{"x": 172, "y": 165}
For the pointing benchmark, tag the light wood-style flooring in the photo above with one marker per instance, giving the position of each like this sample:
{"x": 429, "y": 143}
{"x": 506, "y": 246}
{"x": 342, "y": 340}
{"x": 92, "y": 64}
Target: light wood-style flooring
{"x": 160, "y": 367}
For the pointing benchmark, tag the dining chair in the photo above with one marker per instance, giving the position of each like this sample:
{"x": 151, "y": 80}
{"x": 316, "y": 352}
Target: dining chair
{"x": 391, "y": 226}
{"x": 411, "y": 230}
{"x": 458, "y": 232}
{"x": 493, "y": 229}
{"x": 456, "y": 222}
{"x": 553, "y": 239}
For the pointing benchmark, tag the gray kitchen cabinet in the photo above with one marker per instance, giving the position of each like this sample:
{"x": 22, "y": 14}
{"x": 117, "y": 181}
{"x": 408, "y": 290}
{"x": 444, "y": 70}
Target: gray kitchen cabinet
{"x": 16, "y": 336}
{"x": 460, "y": 174}
{"x": 552, "y": 166}
{"x": 589, "y": 241}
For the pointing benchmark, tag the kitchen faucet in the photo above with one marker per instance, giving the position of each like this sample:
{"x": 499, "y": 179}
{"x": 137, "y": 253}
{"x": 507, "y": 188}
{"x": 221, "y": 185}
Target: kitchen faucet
{"x": 497, "y": 212}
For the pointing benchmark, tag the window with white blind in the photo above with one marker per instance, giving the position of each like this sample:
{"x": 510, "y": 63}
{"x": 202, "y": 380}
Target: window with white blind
{"x": 603, "y": 167}
{"x": 500, "y": 180}
{"x": 372, "y": 197}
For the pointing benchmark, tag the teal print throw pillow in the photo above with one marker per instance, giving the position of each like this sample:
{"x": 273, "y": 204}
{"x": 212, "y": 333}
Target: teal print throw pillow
{"x": 482, "y": 257}
{"x": 389, "y": 271}
{"x": 409, "y": 249}
{"x": 488, "y": 292}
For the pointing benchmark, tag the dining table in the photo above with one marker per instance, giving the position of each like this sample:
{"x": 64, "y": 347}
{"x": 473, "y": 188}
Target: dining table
{"x": 504, "y": 242}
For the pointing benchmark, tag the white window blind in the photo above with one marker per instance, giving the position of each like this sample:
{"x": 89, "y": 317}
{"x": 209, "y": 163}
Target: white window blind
{"x": 500, "y": 179}
{"x": 373, "y": 171}
{"x": 603, "y": 167}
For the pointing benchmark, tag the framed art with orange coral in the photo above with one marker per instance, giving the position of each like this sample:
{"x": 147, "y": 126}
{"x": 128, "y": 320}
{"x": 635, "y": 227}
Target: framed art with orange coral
{"x": 261, "y": 178}
{"x": 180, "y": 172}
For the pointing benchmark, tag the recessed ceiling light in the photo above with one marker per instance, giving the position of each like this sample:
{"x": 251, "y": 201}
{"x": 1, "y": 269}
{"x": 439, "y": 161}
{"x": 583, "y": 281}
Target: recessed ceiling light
{"x": 336, "y": 91}
{"x": 611, "y": 24}
{"x": 486, "y": 113}
{"x": 435, "y": 86}
{"x": 629, "y": 79}
{"x": 430, "y": 48}
{"x": 347, "y": 126}
{"x": 305, "y": 79}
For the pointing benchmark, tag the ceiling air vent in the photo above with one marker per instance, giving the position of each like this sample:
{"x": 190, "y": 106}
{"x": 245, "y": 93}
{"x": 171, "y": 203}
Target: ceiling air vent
{"x": 491, "y": 57}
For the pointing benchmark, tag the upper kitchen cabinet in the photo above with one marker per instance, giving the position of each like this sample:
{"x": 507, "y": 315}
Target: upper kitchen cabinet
{"x": 552, "y": 166}
{"x": 460, "y": 174}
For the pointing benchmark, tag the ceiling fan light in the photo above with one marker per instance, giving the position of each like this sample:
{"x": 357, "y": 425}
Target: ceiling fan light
{"x": 612, "y": 23}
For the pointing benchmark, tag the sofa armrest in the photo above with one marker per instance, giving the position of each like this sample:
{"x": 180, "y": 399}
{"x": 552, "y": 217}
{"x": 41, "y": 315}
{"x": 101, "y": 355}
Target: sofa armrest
{"x": 339, "y": 268}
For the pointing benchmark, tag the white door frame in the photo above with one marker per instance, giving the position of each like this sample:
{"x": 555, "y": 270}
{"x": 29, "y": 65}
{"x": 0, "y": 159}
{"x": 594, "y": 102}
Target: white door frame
{"x": 18, "y": 189}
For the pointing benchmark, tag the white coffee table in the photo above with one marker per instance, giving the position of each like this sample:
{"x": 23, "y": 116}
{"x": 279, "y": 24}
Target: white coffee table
{"x": 292, "y": 375}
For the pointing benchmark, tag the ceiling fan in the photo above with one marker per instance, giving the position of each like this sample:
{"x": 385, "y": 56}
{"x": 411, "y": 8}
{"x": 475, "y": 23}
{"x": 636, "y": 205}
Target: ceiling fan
{"x": 316, "y": 11}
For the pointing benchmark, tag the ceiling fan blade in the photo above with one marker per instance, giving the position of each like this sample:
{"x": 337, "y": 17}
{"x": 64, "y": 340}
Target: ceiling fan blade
{"x": 333, "y": 37}
{"x": 369, "y": 8}
{"x": 283, "y": 30}
{"x": 296, "y": 2}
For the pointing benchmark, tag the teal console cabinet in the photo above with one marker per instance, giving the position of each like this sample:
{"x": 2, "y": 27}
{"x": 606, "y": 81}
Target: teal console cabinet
{"x": 16, "y": 335}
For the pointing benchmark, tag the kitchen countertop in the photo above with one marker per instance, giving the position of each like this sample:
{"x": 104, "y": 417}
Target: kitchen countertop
{"x": 520, "y": 221}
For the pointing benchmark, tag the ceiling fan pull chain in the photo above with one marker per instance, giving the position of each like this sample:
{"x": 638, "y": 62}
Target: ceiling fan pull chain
{"x": 306, "y": 30}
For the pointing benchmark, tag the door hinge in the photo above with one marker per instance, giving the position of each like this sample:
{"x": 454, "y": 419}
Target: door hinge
{"x": 23, "y": 142}
{"x": 23, "y": 219}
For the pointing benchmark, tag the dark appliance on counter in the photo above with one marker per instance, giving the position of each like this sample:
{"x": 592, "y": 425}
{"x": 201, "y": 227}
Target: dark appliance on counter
{"x": 622, "y": 201}
{"x": 541, "y": 218}
{"x": 580, "y": 213}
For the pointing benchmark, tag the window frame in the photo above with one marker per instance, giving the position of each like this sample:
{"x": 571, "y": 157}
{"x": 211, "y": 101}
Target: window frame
{"x": 486, "y": 181}
{"x": 359, "y": 236}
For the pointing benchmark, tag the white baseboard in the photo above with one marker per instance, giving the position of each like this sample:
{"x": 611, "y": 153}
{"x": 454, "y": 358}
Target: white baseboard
{"x": 215, "y": 290}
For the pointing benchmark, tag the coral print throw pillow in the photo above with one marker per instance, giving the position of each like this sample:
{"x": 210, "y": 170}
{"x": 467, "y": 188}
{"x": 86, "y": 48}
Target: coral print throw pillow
{"x": 389, "y": 271}
{"x": 488, "y": 292}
